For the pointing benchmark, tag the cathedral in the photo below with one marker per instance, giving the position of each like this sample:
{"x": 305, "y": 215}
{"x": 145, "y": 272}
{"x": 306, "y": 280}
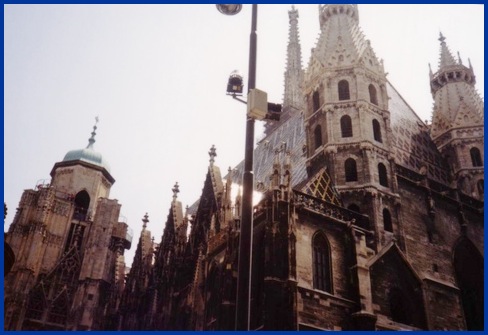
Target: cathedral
{"x": 370, "y": 218}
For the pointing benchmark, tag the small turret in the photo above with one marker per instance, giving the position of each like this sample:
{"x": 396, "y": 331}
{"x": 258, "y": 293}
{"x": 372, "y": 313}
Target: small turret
{"x": 458, "y": 121}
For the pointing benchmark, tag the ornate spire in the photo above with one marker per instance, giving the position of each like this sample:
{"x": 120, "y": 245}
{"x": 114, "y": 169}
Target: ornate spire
{"x": 450, "y": 70}
{"x": 446, "y": 58}
{"x": 458, "y": 109}
{"x": 294, "y": 70}
{"x": 91, "y": 140}
{"x": 292, "y": 97}
{"x": 341, "y": 44}
{"x": 145, "y": 220}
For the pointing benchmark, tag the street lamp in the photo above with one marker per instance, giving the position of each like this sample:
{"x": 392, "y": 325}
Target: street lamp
{"x": 245, "y": 240}
{"x": 229, "y": 9}
{"x": 258, "y": 108}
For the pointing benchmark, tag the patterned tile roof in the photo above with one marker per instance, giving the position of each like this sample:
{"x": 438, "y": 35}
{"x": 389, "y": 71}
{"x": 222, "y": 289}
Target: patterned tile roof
{"x": 412, "y": 146}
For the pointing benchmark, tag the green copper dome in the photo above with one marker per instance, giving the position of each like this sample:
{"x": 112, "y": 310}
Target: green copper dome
{"x": 88, "y": 154}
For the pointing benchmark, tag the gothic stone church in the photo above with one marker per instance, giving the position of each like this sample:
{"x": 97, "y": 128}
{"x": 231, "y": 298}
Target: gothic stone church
{"x": 370, "y": 219}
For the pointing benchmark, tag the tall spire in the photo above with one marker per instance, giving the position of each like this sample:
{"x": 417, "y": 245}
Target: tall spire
{"x": 294, "y": 71}
{"x": 91, "y": 140}
{"x": 293, "y": 96}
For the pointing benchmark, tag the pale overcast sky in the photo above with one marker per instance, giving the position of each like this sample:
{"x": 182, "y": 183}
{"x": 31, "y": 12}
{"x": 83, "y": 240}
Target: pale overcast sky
{"x": 155, "y": 75}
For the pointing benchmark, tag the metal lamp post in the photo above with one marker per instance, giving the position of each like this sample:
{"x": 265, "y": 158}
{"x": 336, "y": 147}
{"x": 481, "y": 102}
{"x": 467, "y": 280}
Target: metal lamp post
{"x": 245, "y": 241}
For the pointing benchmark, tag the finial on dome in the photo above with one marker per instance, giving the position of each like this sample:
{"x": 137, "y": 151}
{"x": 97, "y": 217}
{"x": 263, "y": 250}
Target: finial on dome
{"x": 176, "y": 190}
{"x": 212, "y": 153}
{"x": 91, "y": 140}
{"x": 145, "y": 220}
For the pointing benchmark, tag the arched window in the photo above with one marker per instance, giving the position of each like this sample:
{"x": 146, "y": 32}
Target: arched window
{"x": 382, "y": 174}
{"x": 82, "y": 202}
{"x": 343, "y": 87}
{"x": 354, "y": 208}
{"x": 372, "y": 94}
{"x": 376, "y": 130}
{"x": 322, "y": 272}
{"x": 318, "y": 136}
{"x": 350, "y": 169}
{"x": 387, "y": 225}
{"x": 346, "y": 126}
{"x": 316, "y": 101}
{"x": 476, "y": 157}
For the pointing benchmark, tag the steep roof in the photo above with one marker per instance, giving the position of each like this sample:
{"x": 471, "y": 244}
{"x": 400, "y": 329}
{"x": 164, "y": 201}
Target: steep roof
{"x": 412, "y": 145}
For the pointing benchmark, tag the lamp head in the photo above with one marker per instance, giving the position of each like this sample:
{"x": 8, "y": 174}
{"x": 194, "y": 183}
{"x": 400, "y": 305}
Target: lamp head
{"x": 229, "y": 9}
{"x": 234, "y": 85}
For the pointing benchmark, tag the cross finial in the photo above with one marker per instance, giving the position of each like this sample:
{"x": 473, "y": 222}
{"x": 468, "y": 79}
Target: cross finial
{"x": 145, "y": 220}
{"x": 212, "y": 153}
{"x": 176, "y": 190}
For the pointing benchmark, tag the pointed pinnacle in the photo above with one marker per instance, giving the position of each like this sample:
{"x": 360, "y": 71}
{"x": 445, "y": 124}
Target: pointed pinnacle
{"x": 212, "y": 153}
{"x": 441, "y": 37}
{"x": 145, "y": 220}
{"x": 176, "y": 190}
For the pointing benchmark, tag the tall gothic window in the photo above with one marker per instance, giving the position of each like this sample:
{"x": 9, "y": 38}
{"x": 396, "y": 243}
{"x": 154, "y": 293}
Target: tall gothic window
{"x": 373, "y": 98}
{"x": 350, "y": 169}
{"x": 387, "y": 225}
{"x": 376, "y": 131}
{"x": 476, "y": 157}
{"x": 316, "y": 101}
{"x": 322, "y": 272}
{"x": 318, "y": 136}
{"x": 346, "y": 126}
{"x": 382, "y": 174}
{"x": 343, "y": 87}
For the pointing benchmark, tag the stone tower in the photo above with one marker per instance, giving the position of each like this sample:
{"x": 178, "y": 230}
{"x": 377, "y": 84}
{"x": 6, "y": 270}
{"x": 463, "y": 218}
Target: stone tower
{"x": 69, "y": 244}
{"x": 347, "y": 118}
{"x": 458, "y": 121}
